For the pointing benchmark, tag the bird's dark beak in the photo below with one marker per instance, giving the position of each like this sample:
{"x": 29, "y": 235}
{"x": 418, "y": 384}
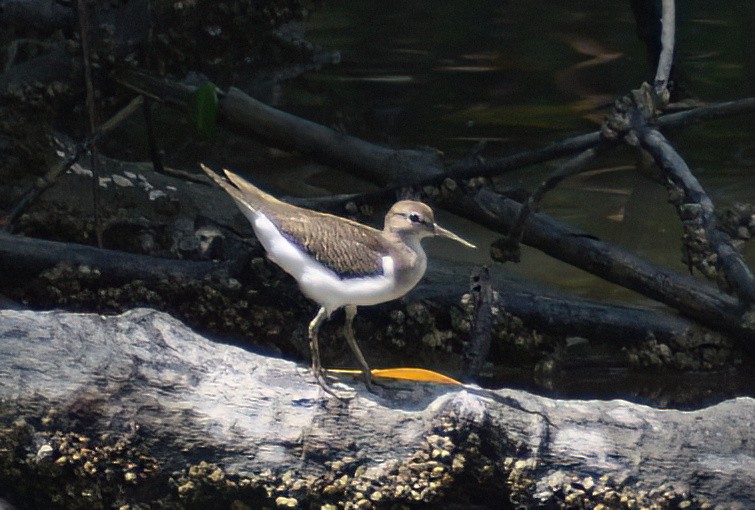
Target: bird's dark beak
{"x": 440, "y": 231}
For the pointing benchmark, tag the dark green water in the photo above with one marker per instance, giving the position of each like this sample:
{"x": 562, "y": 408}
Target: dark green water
{"x": 521, "y": 74}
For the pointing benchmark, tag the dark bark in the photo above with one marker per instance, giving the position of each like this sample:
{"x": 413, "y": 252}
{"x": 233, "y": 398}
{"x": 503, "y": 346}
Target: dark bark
{"x": 603, "y": 259}
{"x": 252, "y": 117}
{"x": 610, "y": 262}
{"x": 24, "y": 259}
{"x": 372, "y": 162}
{"x": 697, "y": 208}
{"x": 481, "y": 333}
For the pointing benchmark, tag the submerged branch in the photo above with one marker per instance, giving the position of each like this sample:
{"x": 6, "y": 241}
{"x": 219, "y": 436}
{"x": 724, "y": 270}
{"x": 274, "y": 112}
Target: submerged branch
{"x": 508, "y": 247}
{"x": 608, "y": 261}
{"x": 698, "y": 212}
{"x": 485, "y": 207}
{"x": 25, "y": 259}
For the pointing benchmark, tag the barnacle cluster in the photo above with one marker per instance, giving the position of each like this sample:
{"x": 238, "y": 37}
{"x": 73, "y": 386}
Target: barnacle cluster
{"x": 447, "y": 462}
{"x": 739, "y": 222}
{"x": 72, "y": 470}
{"x": 563, "y": 490}
{"x": 691, "y": 350}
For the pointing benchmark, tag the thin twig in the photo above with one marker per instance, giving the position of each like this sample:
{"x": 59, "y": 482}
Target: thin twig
{"x": 572, "y": 167}
{"x": 711, "y": 111}
{"x": 154, "y": 152}
{"x": 52, "y": 175}
{"x": 84, "y": 32}
{"x": 498, "y": 165}
{"x": 119, "y": 117}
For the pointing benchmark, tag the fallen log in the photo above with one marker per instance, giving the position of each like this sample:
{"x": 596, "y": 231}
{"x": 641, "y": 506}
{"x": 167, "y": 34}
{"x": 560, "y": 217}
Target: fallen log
{"x": 714, "y": 309}
{"x": 612, "y": 263}
{"x": 103, "y": 411}
{"x": 25, "y": 259}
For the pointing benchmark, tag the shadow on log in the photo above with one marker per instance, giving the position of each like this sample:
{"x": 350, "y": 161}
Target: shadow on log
{"x": 105, "y": 411}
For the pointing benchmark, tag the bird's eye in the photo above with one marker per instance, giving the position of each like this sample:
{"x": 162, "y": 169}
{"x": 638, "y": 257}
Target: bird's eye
{"x": 415, "y": 218}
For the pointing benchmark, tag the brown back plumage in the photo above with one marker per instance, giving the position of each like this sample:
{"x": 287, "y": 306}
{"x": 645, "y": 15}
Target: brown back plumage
{"x": 356, "y": 251}
{"x": 353, "y": 252}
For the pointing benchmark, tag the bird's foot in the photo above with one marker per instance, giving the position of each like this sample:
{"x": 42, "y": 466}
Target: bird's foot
{"x": 374, "y": 386}
{"x": 322, "y": 381}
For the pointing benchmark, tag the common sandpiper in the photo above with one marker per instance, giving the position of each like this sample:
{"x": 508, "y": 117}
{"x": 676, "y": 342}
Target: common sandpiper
{"x": 336, "y": 261}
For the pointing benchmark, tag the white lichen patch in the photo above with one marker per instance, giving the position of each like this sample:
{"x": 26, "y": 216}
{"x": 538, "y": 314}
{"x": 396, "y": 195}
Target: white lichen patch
{"x": 144, "y": 183}
{"x": 80, "y": 170}
{"x": 122, "y": 181}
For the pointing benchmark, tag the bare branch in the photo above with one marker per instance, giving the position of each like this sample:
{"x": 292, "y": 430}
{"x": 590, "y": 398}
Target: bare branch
{"x": 91, "y": 109}
{"x": 711, "y": 111}
{"x": 610, "y": 262}
{"x": 74, "y": 155}
{"x": 698, "y": 212}
{"x": 574, "y": 166}
{"x": 666, "y": 59}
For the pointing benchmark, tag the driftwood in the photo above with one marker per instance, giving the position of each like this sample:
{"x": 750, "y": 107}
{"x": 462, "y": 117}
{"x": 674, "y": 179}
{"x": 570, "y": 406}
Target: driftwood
{"x": 710, "y": 307}
{"x": 104, "y": 411}
{"x": 103, "y": 283}
{"x": 25, "y": 259}
{"x": 697, "y": 209}
{"x": 547, "y": 311}
{"x": 611, "y": 262}
{"x": 392, "y": 168}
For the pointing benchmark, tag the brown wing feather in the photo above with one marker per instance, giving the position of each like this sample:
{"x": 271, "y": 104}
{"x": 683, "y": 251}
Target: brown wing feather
{"x": 359, "y": 251}
{"x": 356, "y": 252}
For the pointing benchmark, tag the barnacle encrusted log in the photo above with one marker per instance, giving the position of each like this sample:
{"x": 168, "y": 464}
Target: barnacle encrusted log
{"x": 41, "y": 75}
{"x": 100, "y": 411}
{"x": 496, "y": 212}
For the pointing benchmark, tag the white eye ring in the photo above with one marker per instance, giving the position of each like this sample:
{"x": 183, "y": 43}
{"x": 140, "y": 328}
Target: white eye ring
{"x": 415, "y": 218}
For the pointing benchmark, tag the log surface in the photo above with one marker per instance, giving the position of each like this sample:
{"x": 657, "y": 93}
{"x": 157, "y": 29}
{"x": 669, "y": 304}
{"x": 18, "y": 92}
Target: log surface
{"x": 194, "y": 400}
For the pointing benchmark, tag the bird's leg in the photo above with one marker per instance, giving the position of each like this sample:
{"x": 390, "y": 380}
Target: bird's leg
{"x": 351, "y": 311}
{"x": 314, "y": 349}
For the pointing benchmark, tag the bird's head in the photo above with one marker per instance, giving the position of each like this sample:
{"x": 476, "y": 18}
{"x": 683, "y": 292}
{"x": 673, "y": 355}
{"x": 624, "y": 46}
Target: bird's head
{"x": 410, "y": 219}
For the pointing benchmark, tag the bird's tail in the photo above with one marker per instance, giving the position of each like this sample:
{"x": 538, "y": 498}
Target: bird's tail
{"x": 245, "y": 194}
